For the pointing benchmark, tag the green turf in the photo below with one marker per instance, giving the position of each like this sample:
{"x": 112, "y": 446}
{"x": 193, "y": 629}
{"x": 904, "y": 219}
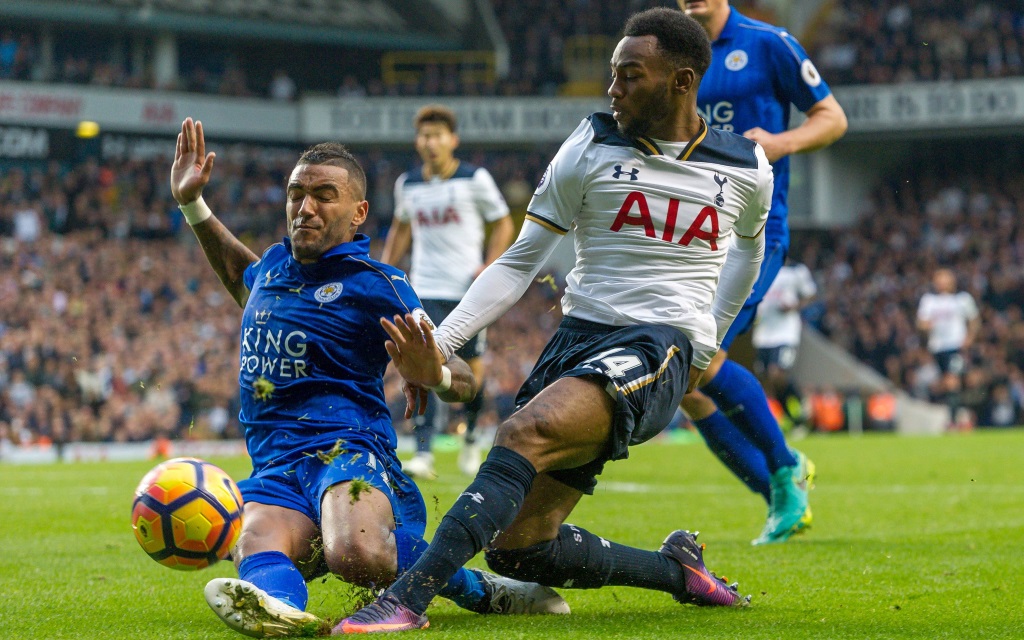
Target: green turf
{"x": 912, "y": 538}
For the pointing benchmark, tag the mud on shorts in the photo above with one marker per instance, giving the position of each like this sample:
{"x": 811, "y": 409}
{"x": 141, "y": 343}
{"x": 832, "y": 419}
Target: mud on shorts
{"x": 645, "y": 369}
{"x": 300, "y": 485}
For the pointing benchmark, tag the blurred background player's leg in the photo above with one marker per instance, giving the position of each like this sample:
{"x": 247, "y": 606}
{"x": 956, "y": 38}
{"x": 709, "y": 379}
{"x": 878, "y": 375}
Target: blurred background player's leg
{"x": 434, "y": 420}
{"x": 470, "y": 454}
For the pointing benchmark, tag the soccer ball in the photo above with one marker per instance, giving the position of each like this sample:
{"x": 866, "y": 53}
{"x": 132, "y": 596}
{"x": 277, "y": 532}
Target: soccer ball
{"x": 187, "y": 514}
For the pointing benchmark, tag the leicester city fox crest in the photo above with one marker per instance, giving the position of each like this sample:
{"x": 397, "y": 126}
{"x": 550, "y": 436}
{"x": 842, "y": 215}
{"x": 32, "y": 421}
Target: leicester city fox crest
{"x": 328, "y": 292}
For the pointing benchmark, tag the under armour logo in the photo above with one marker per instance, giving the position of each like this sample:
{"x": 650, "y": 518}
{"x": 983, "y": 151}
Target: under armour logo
{"x": 720, "y": 199}
{"x": 634, "y": 174}
{"x": 476, "y": 497}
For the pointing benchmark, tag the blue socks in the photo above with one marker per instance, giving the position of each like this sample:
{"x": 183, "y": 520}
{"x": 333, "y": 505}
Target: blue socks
{"x": 743, "y": 402}
{"x": 275, "y": 573}
{"x": 735, "y": 451}
{"x": 464, "y": 588}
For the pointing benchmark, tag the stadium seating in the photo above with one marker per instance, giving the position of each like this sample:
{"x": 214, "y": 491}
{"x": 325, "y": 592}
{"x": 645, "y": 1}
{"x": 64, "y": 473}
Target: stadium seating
{"x": 872, "y": 275}
{"x": 918, "y": 40}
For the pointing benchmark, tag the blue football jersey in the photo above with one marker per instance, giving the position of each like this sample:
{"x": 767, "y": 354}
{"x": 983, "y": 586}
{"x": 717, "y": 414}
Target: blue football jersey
{"x": 312, "y": 351}
{"x": 758, "y": 70}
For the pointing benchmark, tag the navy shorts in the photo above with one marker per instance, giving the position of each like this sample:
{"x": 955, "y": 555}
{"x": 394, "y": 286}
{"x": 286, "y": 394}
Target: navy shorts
{"x": 951, "y": 361}
{"x": 782, "y": 356}
{"x": 438, "y": 310}
{"x": 301, "y": 485}
{"x": 645, "y": 367}
{"x": 774, "y": 258}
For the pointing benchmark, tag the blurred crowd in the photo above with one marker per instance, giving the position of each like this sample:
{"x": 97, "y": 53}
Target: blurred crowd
{"x": 114, "y": 328}
{"x": 535, "y": 31}
{"x": 872, "y": 275}
{"x": 883, "y": 41}
{"x": 893, "y": 41}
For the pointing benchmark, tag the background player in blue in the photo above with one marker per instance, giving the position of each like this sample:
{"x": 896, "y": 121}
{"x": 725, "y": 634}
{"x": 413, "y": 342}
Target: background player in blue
{"x": 650, "y": 191}
{"x": 327, "y": 492}
{"x": 757, "y": 71}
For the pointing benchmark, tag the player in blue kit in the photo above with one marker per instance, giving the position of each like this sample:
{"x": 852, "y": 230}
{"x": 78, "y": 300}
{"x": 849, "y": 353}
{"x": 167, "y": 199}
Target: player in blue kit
{"x": 669, "y": 217}
{"x": 757, "y": 71}
{"x": 327, "y": 492}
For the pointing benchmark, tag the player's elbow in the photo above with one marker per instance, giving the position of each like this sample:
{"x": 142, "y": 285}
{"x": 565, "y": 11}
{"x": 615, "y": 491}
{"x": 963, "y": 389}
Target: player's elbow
{"x": 842, "y": 124}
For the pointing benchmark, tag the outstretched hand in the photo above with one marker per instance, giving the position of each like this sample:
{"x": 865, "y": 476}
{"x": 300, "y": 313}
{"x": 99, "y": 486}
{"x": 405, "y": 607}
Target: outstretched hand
{"x": 416, "y": 357}
{"x": 192, "y": 165}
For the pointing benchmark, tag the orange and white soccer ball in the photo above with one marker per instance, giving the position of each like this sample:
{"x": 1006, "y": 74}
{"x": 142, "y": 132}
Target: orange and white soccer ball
{"x": 187, "y": 514}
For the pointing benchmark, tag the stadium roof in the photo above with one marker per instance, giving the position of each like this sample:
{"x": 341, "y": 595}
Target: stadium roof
{"x": 386, "y": 24}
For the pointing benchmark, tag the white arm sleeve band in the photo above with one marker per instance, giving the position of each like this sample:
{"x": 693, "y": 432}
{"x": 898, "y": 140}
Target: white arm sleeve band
{"x": 739, "y": 274}
{"x": 498, "y": 288}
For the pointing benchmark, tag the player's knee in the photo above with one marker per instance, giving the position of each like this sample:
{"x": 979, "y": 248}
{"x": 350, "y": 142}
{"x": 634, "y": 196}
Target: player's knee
{"x": 527, "y": 564}
{"x": 526, "y": 432}
{"x": 362, "y": 560}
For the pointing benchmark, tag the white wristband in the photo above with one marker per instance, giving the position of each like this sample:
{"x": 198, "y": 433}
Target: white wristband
{"x": 446, "y": 381}
{"x": 195, "y": 211}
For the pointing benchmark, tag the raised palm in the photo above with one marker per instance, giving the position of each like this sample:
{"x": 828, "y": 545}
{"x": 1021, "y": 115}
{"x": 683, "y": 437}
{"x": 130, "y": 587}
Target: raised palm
{"x": 192, "y": 165}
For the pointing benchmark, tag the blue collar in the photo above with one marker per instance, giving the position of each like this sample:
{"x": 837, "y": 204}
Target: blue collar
{"x": 360, "y": 245}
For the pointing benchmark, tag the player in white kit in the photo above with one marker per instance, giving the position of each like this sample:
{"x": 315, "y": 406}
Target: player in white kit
{"x": 777, "y": 331}
{"x": 668, "y": 217}
{"x": 443, "y": 210}
{"x": 950, "y": 318}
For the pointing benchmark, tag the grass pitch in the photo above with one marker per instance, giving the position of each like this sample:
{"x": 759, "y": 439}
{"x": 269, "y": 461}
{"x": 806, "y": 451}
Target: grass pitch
{"x": 912, "y": 538}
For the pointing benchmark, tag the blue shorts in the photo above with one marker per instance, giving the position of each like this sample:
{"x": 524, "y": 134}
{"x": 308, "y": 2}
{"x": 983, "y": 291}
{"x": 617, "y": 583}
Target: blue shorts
{"x": 438, "y": 310}
{"x": 645, "y": 368}
{"x": 774, "y": 258}
{"x": 301, "y": 485}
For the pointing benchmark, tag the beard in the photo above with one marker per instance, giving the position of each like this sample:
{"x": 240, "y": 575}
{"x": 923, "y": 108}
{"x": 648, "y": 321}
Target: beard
{"x": 654, "y": 109}
{"x": 310, "y": 246}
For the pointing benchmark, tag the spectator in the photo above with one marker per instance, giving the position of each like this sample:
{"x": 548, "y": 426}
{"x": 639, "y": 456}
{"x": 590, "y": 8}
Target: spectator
{"x": 282, "y": 87}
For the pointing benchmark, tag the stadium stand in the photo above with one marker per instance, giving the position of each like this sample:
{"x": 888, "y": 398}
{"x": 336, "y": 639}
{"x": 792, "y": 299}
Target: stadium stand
{"x": 112, "y": 327}
{"x": 956, "y": 209}
{"x": 554, "y": 49}
{"x": 894, "y": 41}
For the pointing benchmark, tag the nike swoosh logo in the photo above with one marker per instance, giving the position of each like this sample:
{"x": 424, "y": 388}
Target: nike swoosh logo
{"x": 377, "y": 628}
{"x": 711, "y": 584}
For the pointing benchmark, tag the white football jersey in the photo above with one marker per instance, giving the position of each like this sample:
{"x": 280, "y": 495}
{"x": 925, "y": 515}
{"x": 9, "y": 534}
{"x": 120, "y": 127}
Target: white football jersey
{"x": 651, "y": 230}
{"x": 447, "y": 217}
{"x": 949, "y": 314}
{"x": 778, "y": 315}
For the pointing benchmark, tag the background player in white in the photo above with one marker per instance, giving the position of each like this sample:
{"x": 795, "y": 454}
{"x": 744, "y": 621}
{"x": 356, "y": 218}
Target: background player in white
{"x": 950, "y": 318}
{"x": 444, "y": 209}
{"x": 668, "y": 218}
{"x": 776, "y": 335}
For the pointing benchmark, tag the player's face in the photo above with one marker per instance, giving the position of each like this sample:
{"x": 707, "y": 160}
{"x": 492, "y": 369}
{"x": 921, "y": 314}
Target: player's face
{"x": 436, "y": 144}
{"x": 322, "y": 210}
{"x": 944, "y": 281}
{"x": 703, "y": 10}
{"x": 640, "y": 89}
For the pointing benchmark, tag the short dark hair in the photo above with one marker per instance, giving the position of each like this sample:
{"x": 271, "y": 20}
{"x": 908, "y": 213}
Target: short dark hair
{"x": 436, "y": 113}
{"x": 337, "y": 155}
{"x": 681, "y": 39}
